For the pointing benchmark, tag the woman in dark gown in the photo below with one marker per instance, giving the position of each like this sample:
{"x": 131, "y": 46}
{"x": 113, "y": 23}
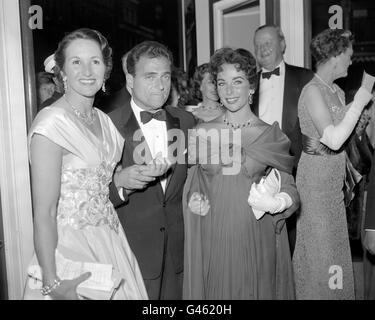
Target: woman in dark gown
{"x": 232, "y": 251}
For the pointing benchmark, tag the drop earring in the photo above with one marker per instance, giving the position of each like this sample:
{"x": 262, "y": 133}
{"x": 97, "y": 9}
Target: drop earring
{"x": 250, "y": 98}
{"x": 103, "y": 87}
{"x": 65, "y": 82}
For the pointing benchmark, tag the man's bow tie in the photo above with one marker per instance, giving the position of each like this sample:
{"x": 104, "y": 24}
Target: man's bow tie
{"x": 147, "y": 116}
{"x": 267, "y": 75}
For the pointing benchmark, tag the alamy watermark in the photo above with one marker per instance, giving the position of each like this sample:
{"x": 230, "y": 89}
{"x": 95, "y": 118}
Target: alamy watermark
{"x": 36, "y": 19}
{"x": 336, "y": 20}
{"x": 201, "y": 147}
{"x": 336, "y": 280}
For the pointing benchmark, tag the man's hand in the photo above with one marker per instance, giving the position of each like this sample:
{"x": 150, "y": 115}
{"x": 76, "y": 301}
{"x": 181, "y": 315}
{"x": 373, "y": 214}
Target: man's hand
{"x": 157, "y": 167}
{"x": 369, "y": 241}
{"x": 132, "y": 178}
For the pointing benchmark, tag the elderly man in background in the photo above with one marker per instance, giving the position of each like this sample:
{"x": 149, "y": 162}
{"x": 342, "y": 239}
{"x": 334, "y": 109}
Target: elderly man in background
{"x": 276, "y": 98}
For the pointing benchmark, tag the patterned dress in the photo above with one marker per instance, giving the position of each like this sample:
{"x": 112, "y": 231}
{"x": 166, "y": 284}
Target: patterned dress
{"x": 322, "y": 259}
{"x": 88, "y": 226}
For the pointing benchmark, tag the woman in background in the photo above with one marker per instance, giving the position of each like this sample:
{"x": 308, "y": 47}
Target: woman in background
{"x": 179, "y": 94}
{"x": 45, "y": 87}
{"x": 205, "y": 104}
{"x": 322, "y": 259}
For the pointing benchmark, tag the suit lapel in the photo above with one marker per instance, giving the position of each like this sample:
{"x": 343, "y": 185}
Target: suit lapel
{"x": 173, "y": 124}
{"x": 289, "y": 110}
{"x": 133, "y": 136}
{"x": 255, "y": 105}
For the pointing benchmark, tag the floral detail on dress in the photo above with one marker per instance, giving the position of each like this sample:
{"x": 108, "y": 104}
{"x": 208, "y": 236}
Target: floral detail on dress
{"x": 84, "y": 199}
{"x": 335, "y": 108}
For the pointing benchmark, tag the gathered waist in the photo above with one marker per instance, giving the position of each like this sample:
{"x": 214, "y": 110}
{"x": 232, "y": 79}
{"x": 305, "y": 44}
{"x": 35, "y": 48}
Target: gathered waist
{"x": 86, "y": 209}
{"x": 313, "y": 146}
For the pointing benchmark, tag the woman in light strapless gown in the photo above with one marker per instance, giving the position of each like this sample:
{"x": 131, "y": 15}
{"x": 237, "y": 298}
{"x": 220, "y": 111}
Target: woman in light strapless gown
{"x": 74, "y": 149}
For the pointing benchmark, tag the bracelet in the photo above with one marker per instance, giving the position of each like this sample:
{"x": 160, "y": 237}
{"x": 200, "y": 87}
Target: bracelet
{"x": 47, "y": 289}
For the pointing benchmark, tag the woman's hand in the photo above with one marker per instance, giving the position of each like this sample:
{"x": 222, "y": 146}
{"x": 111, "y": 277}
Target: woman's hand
{"x": 362, "y": 97}
{"x": 67, "y": 290}
{"x": 199, "y": 204}
{"x": 131, "y": 178}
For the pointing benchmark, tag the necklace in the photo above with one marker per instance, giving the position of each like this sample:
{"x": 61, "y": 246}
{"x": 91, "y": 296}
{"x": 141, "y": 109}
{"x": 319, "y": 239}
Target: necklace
{"x": 333, "y": 90}
{"x": 87, "y": 118}
{"x": 237, "y": 125}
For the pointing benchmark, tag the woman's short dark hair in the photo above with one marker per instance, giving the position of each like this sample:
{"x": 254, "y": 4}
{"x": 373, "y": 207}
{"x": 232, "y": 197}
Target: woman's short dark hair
{"x": 148, "y": 49}
{"x": 241, "y": 58}
{"x": 180, "y": 83}
{"x": 87, "y": 34}
{"x": 197, "y": 79}
{"x": 330, "y": 43}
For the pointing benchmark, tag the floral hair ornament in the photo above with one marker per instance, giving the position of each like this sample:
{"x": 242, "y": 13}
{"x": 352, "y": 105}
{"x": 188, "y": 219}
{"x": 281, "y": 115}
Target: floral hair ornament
{"x": 347, "y": 34}
{"x": 49, "y": 63}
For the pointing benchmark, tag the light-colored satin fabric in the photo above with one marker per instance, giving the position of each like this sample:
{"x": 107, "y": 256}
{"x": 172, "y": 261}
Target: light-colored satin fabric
{"x": 88, "y": 226}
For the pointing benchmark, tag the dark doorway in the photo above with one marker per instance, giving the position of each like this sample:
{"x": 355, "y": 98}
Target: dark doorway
{"x": 124, "y": 23}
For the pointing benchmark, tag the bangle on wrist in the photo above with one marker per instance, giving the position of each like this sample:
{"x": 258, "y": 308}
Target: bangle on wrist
{"x": 47, "y": 289}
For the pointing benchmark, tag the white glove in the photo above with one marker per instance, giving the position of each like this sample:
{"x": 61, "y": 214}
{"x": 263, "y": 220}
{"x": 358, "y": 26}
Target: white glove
{"x": 361, "y": 98}
{"x": 335, "y": 136}
{"x": 263, "y": 201}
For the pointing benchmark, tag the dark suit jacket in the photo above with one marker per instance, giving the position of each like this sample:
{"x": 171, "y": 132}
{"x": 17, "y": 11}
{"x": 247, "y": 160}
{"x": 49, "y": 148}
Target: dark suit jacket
{"x": 116, "y": 100}
{"x": 370, "y": 206}
{"x": 295, "y": 79}
{"x": 150, "y": 217}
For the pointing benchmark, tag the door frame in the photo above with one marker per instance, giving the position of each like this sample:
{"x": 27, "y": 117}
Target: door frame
{"x": 220, "y": 8}
{"x": 14, "y": 167}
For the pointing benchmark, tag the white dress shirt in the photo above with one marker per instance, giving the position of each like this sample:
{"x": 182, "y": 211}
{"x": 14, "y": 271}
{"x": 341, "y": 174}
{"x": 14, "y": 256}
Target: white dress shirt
{"x": 155, "y": 133}
{"x": 271, "y": 96}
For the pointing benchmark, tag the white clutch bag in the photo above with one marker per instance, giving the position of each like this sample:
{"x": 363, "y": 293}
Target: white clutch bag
{"x": 102, "y": 284}
{"x": 272, "y": 184}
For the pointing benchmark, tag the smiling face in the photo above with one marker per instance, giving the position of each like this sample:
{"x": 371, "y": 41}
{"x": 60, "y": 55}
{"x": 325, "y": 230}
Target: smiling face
{"x": 151, "y": 83}
{"x": 269, "y": 48}
{"x": 208, "y": 88}
{"x": 84, "y": 68}
{"x": 233, "y": 88}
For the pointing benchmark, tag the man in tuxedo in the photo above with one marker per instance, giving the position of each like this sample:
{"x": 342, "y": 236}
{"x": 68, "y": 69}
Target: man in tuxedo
{"x": 150, "y": 206}
{"x": 369, "y": 238}
{"x": 277, "y": 94}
